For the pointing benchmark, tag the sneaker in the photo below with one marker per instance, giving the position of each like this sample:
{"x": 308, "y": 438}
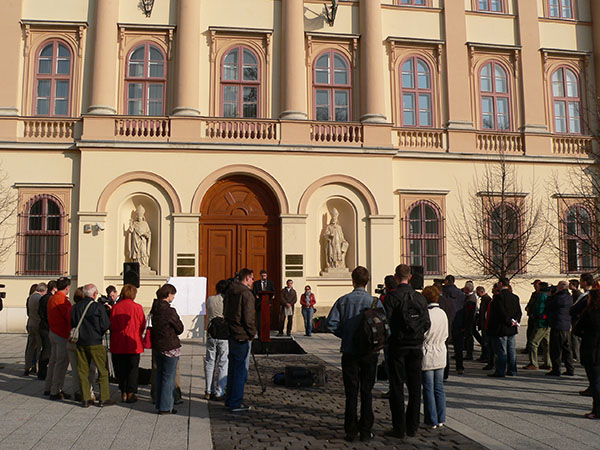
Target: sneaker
{"x": 366, "y": 436}
{"x": 440, "y": 425}
{"x": 108, "y": 402}
{"x": 241, "y": 408}
{"x": 162, "y": 413}
{"x": 530, "y": 367}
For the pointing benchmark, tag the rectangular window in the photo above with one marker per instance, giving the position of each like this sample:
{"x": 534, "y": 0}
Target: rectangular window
{"x": 560, "y": 9}
{"x": 490, "y": 5}
{"x": 414, "y": 2}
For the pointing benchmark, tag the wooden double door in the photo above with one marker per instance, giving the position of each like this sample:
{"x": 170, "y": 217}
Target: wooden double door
{"x": 240, "y": 227}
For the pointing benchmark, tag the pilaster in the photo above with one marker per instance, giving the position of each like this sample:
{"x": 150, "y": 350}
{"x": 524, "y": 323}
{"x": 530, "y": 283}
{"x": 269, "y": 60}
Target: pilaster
{"x": 293, "y": 84}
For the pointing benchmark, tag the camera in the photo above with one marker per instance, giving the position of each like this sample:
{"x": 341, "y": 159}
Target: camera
{"x": 104, "y": 300}
{"x": 380, "y": 289}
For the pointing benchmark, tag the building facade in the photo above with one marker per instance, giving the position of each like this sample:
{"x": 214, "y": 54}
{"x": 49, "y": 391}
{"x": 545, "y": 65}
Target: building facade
{"x": 239, "y": 126}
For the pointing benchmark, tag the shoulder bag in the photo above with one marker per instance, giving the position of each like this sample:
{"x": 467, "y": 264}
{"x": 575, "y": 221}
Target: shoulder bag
{"x": 74, "y": 334}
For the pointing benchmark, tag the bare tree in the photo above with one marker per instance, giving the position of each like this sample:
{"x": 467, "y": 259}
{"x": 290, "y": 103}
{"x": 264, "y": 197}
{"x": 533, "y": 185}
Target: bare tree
{"x": 8, "y": 208}
{"x": 499, "y": 230}
{"x": 575, "y": 215}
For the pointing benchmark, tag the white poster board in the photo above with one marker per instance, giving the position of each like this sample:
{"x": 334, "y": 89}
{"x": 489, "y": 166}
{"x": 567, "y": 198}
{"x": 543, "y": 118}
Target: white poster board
{"x": 190, "y": 299}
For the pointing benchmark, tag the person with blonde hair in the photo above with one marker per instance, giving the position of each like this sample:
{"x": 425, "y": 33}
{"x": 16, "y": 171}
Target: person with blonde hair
{"x": 434, "y": 361}
{"x": 127, "y": 325}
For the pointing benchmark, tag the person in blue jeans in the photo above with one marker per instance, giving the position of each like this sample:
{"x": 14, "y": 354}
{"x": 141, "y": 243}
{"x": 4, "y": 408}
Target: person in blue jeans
{"x": 505, "y": 315}
{"x": 434, "y": 361}
{"x": 240, "y": 315}
{"x": 166, "y": 326}
{"x": 307, "y": 300}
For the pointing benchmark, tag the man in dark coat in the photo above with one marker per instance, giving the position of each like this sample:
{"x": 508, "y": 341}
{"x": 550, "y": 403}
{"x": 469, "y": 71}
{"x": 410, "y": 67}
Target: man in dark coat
{"x": 559, "y": 318}
{"x": 260, "y": 286}
{"x": 505, "y": 315}
{"x": 239, "y": 313}
{"x": 405, "y": 353}
{"x": 484, "y": 301}
{"x": 457, "y": 297}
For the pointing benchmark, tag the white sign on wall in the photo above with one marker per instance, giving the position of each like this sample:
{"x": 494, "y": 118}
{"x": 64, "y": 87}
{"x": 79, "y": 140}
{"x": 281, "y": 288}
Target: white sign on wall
{"x": 190, "y": 299}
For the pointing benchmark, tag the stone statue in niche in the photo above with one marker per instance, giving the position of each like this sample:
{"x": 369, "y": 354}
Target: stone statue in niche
{"x": 140, "y": 238}
{"x": 336, "y": 246}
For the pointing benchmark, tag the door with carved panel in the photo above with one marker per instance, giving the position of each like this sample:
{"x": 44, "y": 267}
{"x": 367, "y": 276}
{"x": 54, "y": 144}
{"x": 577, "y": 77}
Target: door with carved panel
{"x": 240, "y": 227}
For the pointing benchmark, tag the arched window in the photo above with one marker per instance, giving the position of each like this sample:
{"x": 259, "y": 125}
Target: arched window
{"x": 240, "y": 83}
{"x": 53, "y": 79}
{"x": 495, "y": 97}
{"x": 332, "y": 88}
{"x": 424, "y": 237}
{"x": 560, "y": 9}
{"x": 566, "y": 101}
{"x": 145, "y": 81}
{"x": 43, "y": 233}
{"x": 504, "y": 238}
{"x": 416, "y": 93}
{"x": 578, "y": 239}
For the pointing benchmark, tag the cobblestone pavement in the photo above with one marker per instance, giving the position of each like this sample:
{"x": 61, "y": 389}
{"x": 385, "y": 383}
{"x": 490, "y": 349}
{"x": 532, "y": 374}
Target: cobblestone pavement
{"x": 309, "y": 418}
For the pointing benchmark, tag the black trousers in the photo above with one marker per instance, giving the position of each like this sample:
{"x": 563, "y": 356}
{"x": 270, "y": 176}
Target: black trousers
{"x": 405, "y": 367}
{"x": 458, "y": 341}
{"x": 593, "y": 376}
{"x": 282, "y": 318}
{"x": 126, "y": 369}
{"x": 44, "y": 354}
{"x": 359, "y": 373}
{"x": 560, "y": 349}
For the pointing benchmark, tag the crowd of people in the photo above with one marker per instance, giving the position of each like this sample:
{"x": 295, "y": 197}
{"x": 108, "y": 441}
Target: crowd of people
{"x": 65, "y": 329}
{"x": 562, "y": 319}
{"x": 563, "y": 323}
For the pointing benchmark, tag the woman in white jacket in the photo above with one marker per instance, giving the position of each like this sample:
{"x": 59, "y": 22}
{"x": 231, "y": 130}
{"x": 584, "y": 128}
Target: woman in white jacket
{"x": 434, "y": 361}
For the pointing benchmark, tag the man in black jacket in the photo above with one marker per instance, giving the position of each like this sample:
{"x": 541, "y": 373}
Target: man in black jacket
{"x": 260, "y": 286}
{"x": 405, "y": 353}
{"x": 457, "y": 297}
{"x": 505, "y": 315}
{"x": 89, "y": 345}
{"x": 559, "y": 319}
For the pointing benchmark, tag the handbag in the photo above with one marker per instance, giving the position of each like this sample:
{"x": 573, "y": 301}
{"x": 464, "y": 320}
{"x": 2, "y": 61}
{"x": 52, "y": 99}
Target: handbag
{"x": 146, "y": 339}
{"x": 74, "y": 334}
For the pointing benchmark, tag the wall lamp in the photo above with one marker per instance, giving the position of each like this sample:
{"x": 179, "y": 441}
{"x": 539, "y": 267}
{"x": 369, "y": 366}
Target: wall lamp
{"x": 330, "y": 12}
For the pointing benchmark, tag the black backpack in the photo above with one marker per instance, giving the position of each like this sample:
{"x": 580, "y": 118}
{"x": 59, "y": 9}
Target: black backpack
{"x": 218, "y": 328}
{"x": 373, "y": 331}
{"x": 414, "y": 317}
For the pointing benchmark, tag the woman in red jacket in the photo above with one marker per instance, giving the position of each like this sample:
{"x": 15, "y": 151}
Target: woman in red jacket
{"x": 127, "y": 324}
{"x": 307, "y": 300}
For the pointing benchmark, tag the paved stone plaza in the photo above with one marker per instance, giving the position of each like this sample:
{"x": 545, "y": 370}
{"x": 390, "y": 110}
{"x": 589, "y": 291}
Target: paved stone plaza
{"x": 528, "y": 411}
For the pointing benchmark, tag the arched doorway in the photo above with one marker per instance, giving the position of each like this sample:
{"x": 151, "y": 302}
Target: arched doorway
{"x": 240, "y": 227}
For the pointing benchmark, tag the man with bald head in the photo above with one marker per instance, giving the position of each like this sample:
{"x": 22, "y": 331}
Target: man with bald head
{"x": 559, "y": 319}
{"x": 94, "y": 324}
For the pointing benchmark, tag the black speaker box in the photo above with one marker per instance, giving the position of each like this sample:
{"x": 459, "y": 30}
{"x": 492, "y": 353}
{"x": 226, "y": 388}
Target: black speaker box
{"x": 417, "y": 280}
{"x": 131, "y": 273}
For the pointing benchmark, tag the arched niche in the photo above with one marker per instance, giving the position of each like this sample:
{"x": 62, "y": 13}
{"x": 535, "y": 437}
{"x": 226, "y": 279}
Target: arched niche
{"x": 347, "y": 220}
{"x": 120, "y": 208}
{"x": 152, "y": 215}
{"x": 353, "y": 210}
